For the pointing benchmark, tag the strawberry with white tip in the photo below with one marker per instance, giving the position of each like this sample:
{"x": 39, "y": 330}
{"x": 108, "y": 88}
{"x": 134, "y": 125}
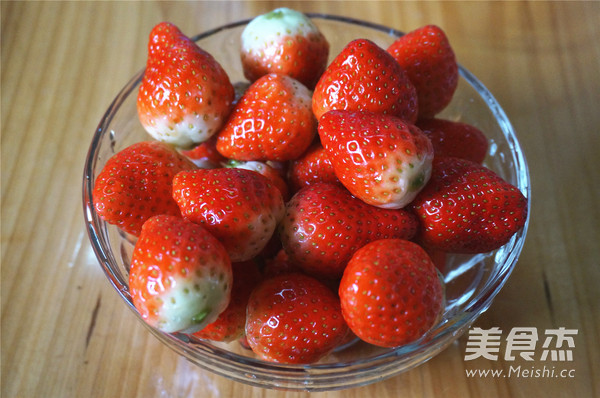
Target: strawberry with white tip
{"x": 185, "y": 94}
{"x": 180, "y": 277}
{"x": 284, "y": 41}
{"x": 231, "y": 323}
{"x": 380, "y": 158}
{"x": 239, "y": 207}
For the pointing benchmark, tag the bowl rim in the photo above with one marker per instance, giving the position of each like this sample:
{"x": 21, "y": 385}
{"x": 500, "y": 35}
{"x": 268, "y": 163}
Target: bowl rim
{"x": 313, "y": 377}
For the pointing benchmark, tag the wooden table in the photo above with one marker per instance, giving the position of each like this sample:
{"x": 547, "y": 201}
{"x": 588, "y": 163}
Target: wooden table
{"x": 65, "y": 331}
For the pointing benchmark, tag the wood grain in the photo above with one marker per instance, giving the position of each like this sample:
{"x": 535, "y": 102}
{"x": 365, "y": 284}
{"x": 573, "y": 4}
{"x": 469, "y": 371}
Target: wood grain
{"x": 65, "y": 332}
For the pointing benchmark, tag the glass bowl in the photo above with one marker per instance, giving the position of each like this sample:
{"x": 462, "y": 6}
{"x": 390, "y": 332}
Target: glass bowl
{"x": 472, "y": 281}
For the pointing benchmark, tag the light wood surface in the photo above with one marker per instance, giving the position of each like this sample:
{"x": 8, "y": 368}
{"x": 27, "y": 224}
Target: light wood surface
{"x": 65, "y": 331}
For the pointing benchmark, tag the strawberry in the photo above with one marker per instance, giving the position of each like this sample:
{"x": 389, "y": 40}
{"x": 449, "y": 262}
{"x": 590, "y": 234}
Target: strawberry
{"x": 365, "y": 77}
{"x": 390, "y": 293}
{"x": 380, "y": 159}
{"x": 180, "y": 277}
{"x": 456, "y": 139}
{"x": 324, "y": 225}
{"x": 239, "y": 207}
{"x": 313, "y": 166}
{"x": 266, "y": 170}
{"x": 205, "y": 154}
{"x": 185, "y": 94}
{"x": 294, "y": 318}
{"x": 135, "y": 184}
{"x": 284, "y": 41}
{"x": 272, "y": 121}
{"x": 429, "y": 61}
{"x": 467, "y": 208}
{"x": 231, "y": 323}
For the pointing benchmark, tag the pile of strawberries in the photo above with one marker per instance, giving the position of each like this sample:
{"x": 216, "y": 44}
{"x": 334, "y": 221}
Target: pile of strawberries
{"x": 310, "y": 205}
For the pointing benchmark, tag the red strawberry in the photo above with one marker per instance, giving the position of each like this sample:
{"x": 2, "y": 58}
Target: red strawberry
{"x": 365, "y": 77}
{"x": 135, "y": 184}
{"x": 205, "y": 155}
{"x": 231, "y": 323}
{"x": 467, "y": 208}
{"x": 312, "y": 167}
{"x": 324, "y": 225}
{"x": 294, "y": 318}
{"x": 284, "y": 41}
{"x": 390, "y": 293}
{"x": 266, "y": 170}
{"x": 456, "y": 139}
{"x": 429, "y": 61}
{"x": 272, "y": 121}
{"x": 180, "y": 277}
{"x": 380, "y": 159}
{"x": 185, "y": 94}
{"x": 239, "y": 207}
